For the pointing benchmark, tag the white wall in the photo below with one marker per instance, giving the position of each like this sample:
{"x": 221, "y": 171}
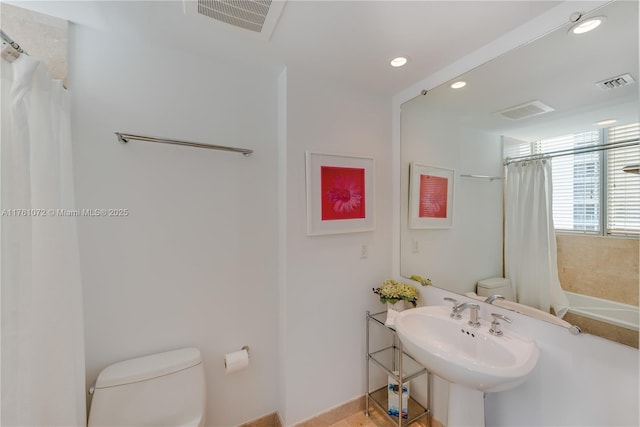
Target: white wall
{"x": 195, "y": 262}
{"x": 580, "y": 380}
{"x": 450, "y": 257}
{"x": 327, "y": 285}
{"x": 214, "y": 252}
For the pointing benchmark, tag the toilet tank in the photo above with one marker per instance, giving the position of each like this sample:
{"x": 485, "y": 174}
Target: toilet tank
{"x": 495, "y": 286}
{"x": 164, "y": 389}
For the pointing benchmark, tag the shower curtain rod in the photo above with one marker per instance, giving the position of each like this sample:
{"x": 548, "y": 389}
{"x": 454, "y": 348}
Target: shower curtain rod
{"x": 570, "y": 151}
{"x": 125, "y": 137}
{"x": 9, "y": 40}
{"x": 10, "y": 49}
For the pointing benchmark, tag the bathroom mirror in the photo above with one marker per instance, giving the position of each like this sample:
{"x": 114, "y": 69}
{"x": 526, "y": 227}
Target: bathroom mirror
{"x": 464, "y": 130}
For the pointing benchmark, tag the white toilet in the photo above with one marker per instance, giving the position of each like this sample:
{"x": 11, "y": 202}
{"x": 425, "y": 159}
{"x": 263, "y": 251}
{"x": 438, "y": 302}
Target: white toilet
{"x": 164, "y": 389}
{"x": 495, "y": 286}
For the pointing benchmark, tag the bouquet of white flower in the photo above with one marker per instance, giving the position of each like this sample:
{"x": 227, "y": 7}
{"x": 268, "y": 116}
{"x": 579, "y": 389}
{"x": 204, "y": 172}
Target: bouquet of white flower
{"x": 422, "y": 280}
{"x": 392, "y": 291}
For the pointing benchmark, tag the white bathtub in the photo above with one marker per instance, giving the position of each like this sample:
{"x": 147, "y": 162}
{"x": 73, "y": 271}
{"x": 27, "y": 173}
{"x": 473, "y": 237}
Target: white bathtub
{"x": 614, "y": 313}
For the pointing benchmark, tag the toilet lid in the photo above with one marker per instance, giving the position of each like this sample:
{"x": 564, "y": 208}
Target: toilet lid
{"x": 147, "y": 367}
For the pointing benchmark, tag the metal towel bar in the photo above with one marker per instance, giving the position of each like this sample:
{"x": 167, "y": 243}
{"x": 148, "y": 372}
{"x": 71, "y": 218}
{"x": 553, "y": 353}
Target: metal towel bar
{"x": 490, "y": 178}
{"x": 125, "y": 137}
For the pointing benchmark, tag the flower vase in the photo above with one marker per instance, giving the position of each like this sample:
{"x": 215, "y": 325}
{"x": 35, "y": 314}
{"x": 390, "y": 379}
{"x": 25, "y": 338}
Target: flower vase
{"x": 401, "y": 305}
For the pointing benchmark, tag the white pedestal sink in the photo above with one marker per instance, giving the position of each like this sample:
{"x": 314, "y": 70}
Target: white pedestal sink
{"x": 471, "y": 359}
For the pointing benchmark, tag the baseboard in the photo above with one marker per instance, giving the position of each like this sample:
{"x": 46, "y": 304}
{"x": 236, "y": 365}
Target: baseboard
{"x": 270, "y": 420}
{"x": 335, "y": 414}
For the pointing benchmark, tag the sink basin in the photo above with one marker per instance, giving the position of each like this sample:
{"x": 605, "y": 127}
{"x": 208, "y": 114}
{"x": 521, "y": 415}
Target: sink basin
{"x": 465, "y": 355}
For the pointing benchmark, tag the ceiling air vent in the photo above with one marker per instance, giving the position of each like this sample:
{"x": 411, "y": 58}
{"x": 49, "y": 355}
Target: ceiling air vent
{"x": 615, "y": 82}
{"x": 259, "y": 16}
{"x": 523, "y": 111}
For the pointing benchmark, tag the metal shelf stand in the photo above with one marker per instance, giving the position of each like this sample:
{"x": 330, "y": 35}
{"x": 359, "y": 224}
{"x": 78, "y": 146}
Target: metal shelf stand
{"x": 398, "y": 365}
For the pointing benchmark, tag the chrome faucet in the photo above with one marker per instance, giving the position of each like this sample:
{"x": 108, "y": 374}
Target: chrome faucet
{"x": 473, "y": 312}
{"x": 453, "y": 314}
{"x": 495, "y": 325}
{"x": 492, "y": 298}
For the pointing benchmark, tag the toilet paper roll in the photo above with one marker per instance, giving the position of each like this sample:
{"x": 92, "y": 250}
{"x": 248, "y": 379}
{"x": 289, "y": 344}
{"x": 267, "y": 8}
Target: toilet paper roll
{"x": 236, "y": 361}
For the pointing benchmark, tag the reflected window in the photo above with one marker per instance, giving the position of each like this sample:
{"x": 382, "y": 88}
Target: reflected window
{"x": 591, "y": 192}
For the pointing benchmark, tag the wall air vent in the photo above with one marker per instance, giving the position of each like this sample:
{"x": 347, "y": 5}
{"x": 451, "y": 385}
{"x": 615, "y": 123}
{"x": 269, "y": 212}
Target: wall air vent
{"x": 615, "y": 82}
{"x": 259, "y": 16}
{"x": 525, "y": 110}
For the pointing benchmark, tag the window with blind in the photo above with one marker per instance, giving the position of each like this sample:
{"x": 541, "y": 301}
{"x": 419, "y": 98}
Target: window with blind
{"x": 591, "y": 192}
{"x": 623, "y": 188}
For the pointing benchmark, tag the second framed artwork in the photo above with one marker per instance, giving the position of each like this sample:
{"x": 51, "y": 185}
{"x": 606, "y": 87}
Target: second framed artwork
{"x": 430, "y": 197}
{"x": 339, "y": 193}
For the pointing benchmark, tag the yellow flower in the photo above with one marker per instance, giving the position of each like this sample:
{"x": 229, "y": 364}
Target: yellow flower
{"x": 392, "y": 291}
{"x": 422, "y": 280}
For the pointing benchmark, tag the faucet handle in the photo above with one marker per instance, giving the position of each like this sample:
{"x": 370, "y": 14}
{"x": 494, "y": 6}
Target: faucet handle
{"x": 453, "y": 300}
{"x": 497, "y": 316}
{"x": 490, "y": 299}
{"x": 495, "y": 325}
{"x": 455, "y": 304}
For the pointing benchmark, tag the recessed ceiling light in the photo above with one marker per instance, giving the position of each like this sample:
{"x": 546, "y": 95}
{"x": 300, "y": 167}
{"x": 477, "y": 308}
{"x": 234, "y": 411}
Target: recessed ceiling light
{"x": 587, "y": 25}
{"x": 605, "y": 122}
{"x": 398, "y": 62}
{"x": 458, "y": 85}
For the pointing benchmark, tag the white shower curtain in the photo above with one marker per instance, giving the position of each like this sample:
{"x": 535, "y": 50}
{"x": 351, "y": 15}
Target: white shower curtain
{"x": 42, "y": 334}
{"x": 530, "y": 241}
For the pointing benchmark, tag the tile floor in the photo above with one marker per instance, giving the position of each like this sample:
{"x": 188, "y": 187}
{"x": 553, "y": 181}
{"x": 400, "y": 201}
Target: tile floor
{"x": 376, "y": 418}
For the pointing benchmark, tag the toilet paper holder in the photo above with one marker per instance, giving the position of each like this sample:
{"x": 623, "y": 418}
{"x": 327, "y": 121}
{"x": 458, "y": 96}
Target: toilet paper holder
{"x": 246, "y": 348}
{"x": 236, "y": 361}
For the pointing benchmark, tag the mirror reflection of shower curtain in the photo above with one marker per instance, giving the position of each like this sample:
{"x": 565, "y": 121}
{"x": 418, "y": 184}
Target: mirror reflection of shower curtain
{"x": 530, "y": 241}
{"x": 42, "y": 333}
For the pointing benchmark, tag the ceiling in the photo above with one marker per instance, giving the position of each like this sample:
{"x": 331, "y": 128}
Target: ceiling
{"x": 350, "y": 41}
{"x": 559, "y": 69}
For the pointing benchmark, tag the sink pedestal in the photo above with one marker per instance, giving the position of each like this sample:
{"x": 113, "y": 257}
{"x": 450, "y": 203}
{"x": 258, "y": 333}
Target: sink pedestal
{"x": 466, "y": 407}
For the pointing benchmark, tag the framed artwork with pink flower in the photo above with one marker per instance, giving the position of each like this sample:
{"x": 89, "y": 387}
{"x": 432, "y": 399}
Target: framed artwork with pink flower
{"x": 339, "y": 193}
{"x": 430, "y": 197}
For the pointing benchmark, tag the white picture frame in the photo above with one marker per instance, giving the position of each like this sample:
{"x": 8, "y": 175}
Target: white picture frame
{"x": 431, "y": 196}
{"x": 340, "y": 193}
